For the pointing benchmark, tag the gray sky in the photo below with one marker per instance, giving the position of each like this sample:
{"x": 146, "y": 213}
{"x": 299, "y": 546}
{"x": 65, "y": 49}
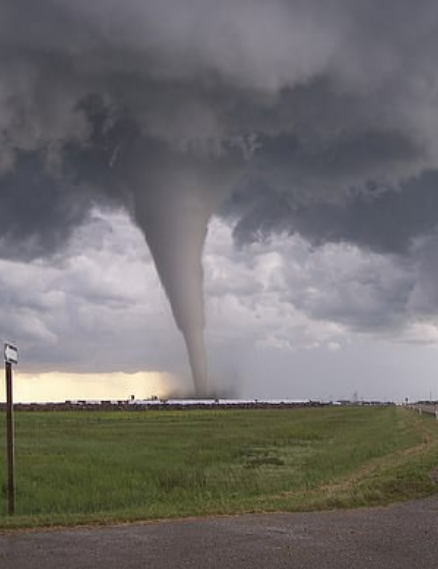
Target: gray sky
{"x": 304, "y": 134}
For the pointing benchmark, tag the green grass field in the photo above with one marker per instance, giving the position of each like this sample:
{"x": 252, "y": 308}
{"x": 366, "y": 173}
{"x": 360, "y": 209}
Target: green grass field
{"x": 100, "y": 467}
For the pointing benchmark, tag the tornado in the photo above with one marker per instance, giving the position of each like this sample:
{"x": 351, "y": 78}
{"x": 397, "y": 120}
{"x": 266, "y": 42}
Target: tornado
{"x": 175, "y": 233}
{"x": 173, "y": 215}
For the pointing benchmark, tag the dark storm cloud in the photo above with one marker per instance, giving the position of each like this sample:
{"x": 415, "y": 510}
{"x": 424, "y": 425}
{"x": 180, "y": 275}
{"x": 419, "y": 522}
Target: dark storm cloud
{"x": 38, "y": 213}
{"x": 378, "y": 219}
{"x": 314, "y": 101}
{"x": 321, "y": 118}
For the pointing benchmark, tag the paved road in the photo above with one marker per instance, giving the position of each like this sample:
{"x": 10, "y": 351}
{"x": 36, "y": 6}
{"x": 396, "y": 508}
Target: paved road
{"x": 400, "y": 537}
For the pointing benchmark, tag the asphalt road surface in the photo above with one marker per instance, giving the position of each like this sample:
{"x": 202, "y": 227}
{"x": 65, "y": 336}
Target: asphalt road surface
{"x": 399, "y": 537}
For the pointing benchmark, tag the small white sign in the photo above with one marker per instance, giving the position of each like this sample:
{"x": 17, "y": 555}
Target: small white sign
{"x": 11, "y": 354}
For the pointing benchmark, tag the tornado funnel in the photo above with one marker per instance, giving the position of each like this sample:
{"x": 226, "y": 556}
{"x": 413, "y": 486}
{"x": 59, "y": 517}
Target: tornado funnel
{"x": 173, "y": 201}
{"x": 174, "y": 224}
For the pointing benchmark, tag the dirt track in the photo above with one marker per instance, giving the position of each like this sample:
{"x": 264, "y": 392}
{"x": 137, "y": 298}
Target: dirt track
{"x": 399, "y": 537}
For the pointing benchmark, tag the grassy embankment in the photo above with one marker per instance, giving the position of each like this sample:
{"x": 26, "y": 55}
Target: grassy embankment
{"x": 82, "y": 467}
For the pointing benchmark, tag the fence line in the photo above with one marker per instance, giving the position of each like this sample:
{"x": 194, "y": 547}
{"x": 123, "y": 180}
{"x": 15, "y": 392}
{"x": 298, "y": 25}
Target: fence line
{"x": 425, "y": 408}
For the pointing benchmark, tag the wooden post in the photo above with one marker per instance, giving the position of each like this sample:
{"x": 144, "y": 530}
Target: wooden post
{"x": 10, "y": 438}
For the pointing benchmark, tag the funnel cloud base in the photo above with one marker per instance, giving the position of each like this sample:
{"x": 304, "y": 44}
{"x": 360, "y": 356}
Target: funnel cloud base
{"x": 198, "y": 363}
